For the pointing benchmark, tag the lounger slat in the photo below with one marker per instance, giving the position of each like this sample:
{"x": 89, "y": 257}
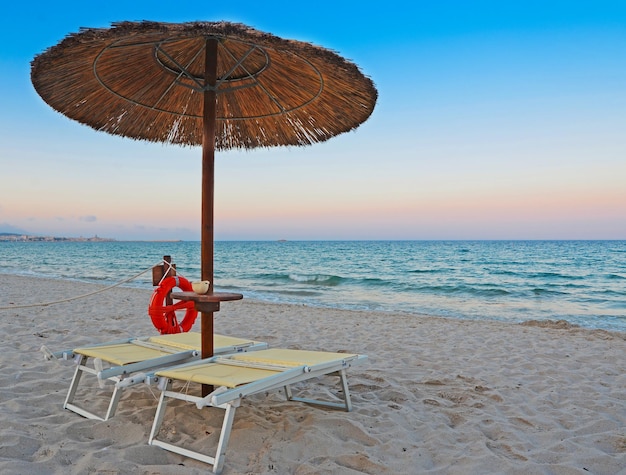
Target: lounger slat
{"x": 288, "y": 357}
{"x": 216, "y": 374}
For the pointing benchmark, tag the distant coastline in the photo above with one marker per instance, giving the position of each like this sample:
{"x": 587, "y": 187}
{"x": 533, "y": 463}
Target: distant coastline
{"x": 14, "y": 237}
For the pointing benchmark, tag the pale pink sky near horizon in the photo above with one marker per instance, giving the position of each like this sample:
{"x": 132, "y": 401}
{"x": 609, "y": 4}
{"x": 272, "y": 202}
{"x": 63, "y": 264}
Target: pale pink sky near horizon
{"x": 505, "y": 125}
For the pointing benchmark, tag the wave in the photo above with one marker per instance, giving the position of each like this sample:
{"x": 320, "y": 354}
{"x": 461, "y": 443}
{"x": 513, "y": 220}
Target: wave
{"x": 539, "y": 291}
{"x": 297, "y": 293}
{"x": 313, "y": 279}
{"x": 318, "y": 279}
{"x": 608, "y": 293}
{"x": 298, "y": 281}
{"x": 463, "y": 290}
{"x": 327, "y": 280}
{"x": 553, "y": 275}
{"x": 535, "y": 275}
{"x": 504, "y": 272}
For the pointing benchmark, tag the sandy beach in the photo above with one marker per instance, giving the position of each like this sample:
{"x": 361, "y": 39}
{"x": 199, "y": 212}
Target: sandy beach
{"x": 436, "y": 396}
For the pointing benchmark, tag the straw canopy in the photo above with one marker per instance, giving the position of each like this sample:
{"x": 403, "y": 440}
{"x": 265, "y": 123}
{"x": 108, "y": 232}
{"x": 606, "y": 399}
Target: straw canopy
{"x": 147, "y": 81}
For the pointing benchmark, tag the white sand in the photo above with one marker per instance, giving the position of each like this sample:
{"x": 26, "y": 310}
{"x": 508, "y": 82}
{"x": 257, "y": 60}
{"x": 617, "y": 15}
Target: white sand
{"x": 436, "y": 396}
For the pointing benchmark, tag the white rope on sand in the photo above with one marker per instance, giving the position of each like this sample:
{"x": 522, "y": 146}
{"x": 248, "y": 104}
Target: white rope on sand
{"x": 69, "y": 299}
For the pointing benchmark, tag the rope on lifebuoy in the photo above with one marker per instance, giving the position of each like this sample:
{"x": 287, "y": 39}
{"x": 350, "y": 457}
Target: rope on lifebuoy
{"x": 163, "y": 316}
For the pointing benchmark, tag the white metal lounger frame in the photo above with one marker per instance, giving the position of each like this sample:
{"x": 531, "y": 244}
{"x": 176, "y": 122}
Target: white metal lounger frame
{"x": 116, "y": 374}
{"x": 230, "y": 399}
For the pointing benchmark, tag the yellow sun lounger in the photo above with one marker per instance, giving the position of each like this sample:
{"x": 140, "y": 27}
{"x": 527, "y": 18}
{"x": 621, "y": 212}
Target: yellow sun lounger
{"x": 127, "y": 357}
{"x": 241, "y": 375}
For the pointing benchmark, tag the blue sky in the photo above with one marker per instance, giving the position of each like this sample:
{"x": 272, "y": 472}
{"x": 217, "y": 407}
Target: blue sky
{"x": 495, "y": 120}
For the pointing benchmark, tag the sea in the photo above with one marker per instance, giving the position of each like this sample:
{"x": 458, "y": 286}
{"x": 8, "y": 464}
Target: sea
{"x": 581, "y": 282}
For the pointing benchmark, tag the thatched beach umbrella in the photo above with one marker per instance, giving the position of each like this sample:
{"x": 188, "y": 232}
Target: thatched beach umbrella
{"x": 219, "y": 85}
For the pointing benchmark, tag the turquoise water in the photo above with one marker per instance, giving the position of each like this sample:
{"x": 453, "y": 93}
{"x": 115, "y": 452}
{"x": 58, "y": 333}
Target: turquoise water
{"x": 583, "y": 282}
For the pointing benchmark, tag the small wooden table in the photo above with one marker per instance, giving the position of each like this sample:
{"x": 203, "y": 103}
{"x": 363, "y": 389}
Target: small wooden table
{"x": 206, "y": 302}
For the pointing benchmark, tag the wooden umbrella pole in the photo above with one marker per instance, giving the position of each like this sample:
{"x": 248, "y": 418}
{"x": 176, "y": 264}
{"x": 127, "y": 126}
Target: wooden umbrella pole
{"x": 208, "y": 187}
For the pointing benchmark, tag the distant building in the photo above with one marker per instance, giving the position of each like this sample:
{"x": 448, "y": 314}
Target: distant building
{"x": 12, "y": 237}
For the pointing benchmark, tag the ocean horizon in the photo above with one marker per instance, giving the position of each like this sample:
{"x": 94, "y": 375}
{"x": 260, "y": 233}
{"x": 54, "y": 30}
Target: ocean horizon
{"x": 579, "y": 281}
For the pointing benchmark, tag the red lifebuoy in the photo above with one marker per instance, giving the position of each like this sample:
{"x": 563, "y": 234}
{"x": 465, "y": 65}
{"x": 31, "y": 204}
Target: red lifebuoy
{"x": 164, "y": 316}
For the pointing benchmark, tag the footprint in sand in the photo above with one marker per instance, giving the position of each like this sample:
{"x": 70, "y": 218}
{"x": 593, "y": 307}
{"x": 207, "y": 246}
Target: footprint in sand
{"x": 505, "y": 451}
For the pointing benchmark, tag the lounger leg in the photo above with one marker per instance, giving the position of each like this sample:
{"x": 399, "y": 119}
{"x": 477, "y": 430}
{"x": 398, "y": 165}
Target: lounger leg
{"x": 75, "y": 380}
{"x": 347, "y": 402}
{"x": 288, "y": 393}
{"x": 227, "y": 426}
{"x": 218, "y": 461}
{"x": 69, "y": 400}
{"x": 115, "y": 398}
{"x": 346, "y": 391}
{"x": 158, "y": 417}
